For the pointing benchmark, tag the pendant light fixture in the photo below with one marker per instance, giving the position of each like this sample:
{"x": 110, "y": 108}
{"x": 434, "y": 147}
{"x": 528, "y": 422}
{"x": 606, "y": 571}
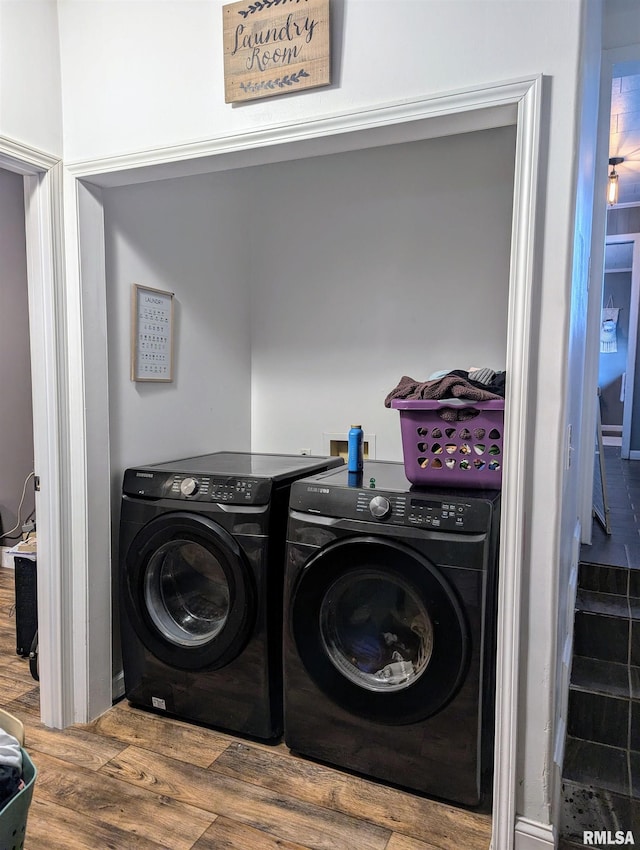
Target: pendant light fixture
{"x": 612, "y": 188}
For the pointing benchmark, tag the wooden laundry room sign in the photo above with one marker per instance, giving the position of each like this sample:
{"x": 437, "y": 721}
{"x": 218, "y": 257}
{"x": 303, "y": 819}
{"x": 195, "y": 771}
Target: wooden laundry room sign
{"x": 274, "y": 46}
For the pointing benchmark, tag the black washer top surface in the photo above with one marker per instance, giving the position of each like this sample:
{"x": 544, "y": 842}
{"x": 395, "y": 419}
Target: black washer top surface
{"x": 377, "y": 474}
{"x": 389, "y": 476}
{"x": 273, "y": 466}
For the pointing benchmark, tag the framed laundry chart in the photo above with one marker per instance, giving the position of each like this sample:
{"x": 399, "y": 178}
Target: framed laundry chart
{"x": 151, "y": 334}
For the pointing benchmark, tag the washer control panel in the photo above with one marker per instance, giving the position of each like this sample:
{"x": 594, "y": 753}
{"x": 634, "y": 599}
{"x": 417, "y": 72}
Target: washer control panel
{"x": 221, "y": 489}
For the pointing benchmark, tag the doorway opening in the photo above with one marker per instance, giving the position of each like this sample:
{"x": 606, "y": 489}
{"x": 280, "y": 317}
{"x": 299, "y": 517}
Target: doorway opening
{"x": 618, "y": 344}
{"x": 18, "y": 533}
{"x": 41, "y": 179}
{"x": 514, "y": 103}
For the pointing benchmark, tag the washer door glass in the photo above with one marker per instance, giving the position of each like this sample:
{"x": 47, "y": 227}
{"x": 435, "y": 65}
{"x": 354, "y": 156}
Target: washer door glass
{"x": 186, "y": 593}
{"x": 376, "y": 630}
{"x": 379, "y": 629}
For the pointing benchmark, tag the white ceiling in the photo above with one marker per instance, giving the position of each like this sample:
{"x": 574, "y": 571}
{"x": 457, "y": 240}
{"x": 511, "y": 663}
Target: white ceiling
{"x": 625, "y": 134}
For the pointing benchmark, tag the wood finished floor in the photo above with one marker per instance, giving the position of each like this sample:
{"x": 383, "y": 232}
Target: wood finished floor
{"x": 132, "y": 780}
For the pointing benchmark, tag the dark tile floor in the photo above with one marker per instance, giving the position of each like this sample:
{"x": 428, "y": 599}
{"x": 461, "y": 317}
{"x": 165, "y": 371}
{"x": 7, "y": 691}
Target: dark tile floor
{"x": 622, "y": 547}
{"x": 601, "y": 772}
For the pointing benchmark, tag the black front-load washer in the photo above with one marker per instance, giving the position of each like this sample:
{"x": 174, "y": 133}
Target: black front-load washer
{"x": 201, "y": 579}
{"x": 389, "y": 643}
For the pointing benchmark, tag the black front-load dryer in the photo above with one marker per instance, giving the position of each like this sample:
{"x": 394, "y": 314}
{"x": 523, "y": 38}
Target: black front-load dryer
{"x": 389, "y": 644}
{"x": 201, "y": 557}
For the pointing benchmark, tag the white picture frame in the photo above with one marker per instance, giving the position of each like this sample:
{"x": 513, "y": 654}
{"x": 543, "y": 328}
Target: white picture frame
{"x": 151, "y": 334}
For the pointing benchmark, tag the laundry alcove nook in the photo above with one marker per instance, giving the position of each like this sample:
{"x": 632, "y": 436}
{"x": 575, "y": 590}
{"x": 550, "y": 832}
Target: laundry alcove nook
{"x": 305, "y": 289}
{"x": 249, "y": 405}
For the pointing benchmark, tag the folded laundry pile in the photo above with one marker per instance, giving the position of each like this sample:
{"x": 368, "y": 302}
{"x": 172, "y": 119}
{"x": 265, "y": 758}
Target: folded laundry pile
{"x": 474, "y": 385}
{"x": 10, "y": 767}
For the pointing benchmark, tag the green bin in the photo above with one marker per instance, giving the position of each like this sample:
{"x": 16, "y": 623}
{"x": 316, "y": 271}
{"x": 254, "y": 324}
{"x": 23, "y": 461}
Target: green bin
{"x": 13, "y": 816}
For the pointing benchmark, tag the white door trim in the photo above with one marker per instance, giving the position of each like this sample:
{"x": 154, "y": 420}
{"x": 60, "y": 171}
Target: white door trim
{"x": 516, "y": 486}
{"x": 500, "y": 104}
{"x": 23, "y": 159}
{"x": 531, "y": 835}
{"x": 473, "y": 109}
{"x": 42, "y": 194}
{"x": 89, "y": 467}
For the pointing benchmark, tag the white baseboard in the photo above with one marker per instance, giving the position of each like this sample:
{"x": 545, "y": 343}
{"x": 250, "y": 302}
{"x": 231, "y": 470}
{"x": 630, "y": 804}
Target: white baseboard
{"x": 531, "y": 835}
{"x": 634, "y": 455}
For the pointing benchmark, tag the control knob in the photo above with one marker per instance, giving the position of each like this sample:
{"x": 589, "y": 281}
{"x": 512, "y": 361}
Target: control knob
{"x": 380, "y": 507}
{"x": 188, "y": 486}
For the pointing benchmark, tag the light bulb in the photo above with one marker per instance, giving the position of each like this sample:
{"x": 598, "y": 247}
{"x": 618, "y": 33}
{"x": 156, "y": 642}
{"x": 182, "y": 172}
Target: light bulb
{"x": 612, "y": 187}
{"x": 612, "y": 190}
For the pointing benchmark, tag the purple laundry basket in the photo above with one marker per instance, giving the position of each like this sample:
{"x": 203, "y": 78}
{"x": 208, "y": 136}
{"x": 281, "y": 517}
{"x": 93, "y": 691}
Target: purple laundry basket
{"x": 452, "y": 442}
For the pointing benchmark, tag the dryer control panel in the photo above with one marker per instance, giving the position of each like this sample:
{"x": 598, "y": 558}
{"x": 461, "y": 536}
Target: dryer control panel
{"x": 222, "y": 489}
{"x": 432, "y": 513}
{"x": 426, "y": 510}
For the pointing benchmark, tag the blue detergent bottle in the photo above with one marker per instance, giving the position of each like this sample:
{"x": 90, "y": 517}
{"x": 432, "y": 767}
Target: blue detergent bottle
{"x": 355, "y": 454}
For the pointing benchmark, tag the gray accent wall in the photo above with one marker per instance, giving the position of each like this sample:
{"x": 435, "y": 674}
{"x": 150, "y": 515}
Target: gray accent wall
{"x": 16, "y": 420}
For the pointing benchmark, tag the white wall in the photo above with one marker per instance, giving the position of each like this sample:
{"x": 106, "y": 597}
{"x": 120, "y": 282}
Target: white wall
{"x": 30, "y": 93}
{"x": 138, "y": 75}
{"x": 379, "y": 263}
{"x": 185, "y": 236}
{"x": 16, "y": 420}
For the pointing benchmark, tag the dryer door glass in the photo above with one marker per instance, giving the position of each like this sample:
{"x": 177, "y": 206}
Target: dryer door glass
{"x": 186, "y": 593}
{"x": 376, "y": 630}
